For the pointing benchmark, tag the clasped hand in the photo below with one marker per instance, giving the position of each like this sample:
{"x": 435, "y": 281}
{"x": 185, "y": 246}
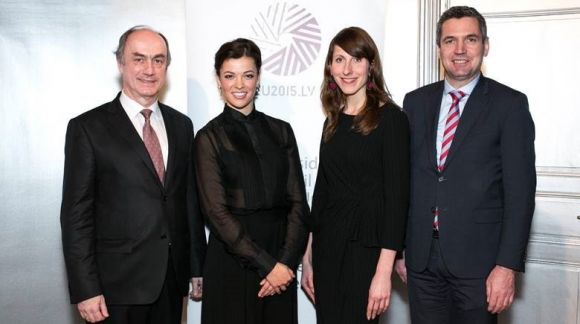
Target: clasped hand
{"x": 276, "y": 281}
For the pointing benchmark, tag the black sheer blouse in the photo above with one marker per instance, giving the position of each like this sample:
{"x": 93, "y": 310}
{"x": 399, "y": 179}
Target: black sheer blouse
{"x": 248, "y": 164}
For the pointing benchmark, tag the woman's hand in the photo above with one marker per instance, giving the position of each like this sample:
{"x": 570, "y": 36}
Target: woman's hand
{"x": 380, "y": 289}
{"x": 276, "y": 281}
{"x": 379, "y": 295}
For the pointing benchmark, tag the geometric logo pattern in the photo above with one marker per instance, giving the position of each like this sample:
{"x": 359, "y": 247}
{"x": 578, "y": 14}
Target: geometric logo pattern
{"x": 289, "y": 37}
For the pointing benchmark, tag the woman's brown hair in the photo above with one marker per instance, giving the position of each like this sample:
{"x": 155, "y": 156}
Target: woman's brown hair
{"x": 357, "y": 43}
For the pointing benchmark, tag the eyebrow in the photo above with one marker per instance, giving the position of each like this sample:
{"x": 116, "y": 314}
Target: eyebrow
{"x": 248, "y": 71}
{"x": 143, "y": 55}
{"x": 466, "y": 36}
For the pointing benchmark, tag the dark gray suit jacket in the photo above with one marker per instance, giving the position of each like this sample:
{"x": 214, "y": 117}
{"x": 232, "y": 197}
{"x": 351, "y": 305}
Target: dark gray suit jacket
{"x": 486, "y": 192}
{"x": 119, "y": 222}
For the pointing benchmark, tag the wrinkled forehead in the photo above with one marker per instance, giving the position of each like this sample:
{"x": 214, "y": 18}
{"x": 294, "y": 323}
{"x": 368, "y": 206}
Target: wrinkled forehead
{"x": 146, "y": 42}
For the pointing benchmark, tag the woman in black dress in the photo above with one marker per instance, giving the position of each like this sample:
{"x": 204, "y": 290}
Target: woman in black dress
{"x": 361, "y": 195}
{"x": 252, "y": 194}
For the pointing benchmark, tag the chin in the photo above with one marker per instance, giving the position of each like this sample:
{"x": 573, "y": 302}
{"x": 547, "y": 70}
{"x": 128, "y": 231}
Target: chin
{"x": 239, "y": 106}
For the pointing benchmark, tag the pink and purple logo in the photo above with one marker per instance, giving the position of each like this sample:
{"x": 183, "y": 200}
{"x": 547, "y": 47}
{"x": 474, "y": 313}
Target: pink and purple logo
{"x": 289, "y": 37}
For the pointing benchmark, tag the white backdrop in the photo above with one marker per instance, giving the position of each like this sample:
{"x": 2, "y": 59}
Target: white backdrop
{"x": 286, "y": 92}
{"x": 294, "y": 38}
{"x": 57, "y": 61}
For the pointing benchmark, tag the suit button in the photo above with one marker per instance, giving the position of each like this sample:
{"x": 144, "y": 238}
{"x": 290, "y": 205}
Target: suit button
{"x": 163, "y": 236}
{"x": 164, "y": 198}
{"x": 441, "y": 179}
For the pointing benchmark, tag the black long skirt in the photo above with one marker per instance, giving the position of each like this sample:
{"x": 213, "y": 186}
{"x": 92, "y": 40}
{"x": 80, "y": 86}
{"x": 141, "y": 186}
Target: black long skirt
{"x": 231, "y": 286}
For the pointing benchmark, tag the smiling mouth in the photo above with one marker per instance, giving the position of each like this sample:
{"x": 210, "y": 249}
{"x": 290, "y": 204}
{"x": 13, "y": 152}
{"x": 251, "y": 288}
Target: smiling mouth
{"x": 239, "y": 95}
{"x": 349, "y": 80}
{"x": 459, "y": 61}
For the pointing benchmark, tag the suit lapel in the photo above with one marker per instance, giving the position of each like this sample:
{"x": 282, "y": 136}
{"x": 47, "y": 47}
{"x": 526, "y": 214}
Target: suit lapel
{"x": 431, "y": 119}
{"x": 170, "y": 128}
{"x": 476, "y": 104}
{"x": 121, "y": 125}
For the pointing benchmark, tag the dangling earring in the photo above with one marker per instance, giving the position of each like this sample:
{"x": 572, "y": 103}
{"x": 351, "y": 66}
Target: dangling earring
{"x": 370, "y": 83}
{"x": 258, "y": 89}
{"x": 332, "y": 85}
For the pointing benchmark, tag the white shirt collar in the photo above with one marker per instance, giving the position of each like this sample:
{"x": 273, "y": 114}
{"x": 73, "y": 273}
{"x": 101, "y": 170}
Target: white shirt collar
{"x": 133, "y": 108}
{"x": 467, "y": 89}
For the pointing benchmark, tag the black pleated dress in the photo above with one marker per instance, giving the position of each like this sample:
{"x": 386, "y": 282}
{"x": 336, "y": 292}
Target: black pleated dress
{"x": 360, "y": 205}
{"x": 252, "y": 194}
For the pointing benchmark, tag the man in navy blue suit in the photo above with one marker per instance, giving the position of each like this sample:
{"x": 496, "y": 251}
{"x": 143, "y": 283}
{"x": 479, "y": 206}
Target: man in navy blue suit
{"x": 473, "y": 183}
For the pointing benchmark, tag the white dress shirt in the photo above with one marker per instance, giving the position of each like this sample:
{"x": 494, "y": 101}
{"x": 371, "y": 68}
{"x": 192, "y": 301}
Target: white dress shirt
{"x": 446, "y": 102}
{"x": 133, "y": 110}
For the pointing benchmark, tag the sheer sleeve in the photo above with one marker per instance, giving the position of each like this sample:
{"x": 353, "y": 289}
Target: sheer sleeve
{"x": 296, "y": 232}
{"x": 212, "y": 196}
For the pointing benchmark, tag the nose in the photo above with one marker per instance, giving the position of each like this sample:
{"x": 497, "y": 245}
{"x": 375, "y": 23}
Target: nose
{"x": 239, "y": 83}
{"x": 460, "y": 48}
{"x": 149, "y": 69}
{"x": 347, "y": 67}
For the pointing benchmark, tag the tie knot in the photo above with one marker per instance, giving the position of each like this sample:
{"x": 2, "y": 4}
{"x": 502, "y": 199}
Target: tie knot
{"x": 457, "y": 94}
{"x": 146, "y": 113}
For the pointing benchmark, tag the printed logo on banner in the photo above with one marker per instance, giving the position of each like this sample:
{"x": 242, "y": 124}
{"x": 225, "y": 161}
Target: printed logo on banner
{"x": 289, "y": 37}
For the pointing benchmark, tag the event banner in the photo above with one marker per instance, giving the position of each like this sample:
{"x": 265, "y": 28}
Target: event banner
{"x": 293, "y": 37}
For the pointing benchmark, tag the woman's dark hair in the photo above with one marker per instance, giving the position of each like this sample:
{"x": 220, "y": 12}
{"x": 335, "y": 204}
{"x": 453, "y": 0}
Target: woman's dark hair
{"x": 236, "y": 49}
{"x": 357, "y": 43}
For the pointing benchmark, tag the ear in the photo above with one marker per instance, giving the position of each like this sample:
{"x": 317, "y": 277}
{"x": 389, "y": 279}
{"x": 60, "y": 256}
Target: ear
{"x": 217, "y": 81}
{"x": 485, "y": 47}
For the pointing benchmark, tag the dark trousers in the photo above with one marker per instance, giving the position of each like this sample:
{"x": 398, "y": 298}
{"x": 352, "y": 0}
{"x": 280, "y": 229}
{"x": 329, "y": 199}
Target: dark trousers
{"x": 438, "y": 297}
{"x": 166, "y": 309}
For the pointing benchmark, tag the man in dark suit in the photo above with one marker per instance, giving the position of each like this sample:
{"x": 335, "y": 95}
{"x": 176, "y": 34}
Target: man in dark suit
{"x": 473, "y": 183}
{"x": 132, "y": 232}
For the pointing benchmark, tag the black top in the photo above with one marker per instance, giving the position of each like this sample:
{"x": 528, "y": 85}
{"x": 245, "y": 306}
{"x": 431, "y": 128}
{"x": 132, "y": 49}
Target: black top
{"x": 249, "y": 164}
{"x": 363, "y": 181}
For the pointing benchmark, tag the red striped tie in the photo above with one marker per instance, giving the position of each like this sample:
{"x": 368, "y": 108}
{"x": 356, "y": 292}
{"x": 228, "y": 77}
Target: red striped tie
{"x": 450, "y": 127}
{"x": 152, "y": 144}
{"x": 448, "y": 134}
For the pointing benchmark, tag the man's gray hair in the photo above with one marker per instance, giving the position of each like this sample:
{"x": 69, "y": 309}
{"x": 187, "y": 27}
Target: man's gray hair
{"x": 123, "y": 41}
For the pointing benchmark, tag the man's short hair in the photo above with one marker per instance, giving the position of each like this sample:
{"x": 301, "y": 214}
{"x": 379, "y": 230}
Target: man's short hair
{"x": 123, "y": 41}
{"x": 460, "y": 12}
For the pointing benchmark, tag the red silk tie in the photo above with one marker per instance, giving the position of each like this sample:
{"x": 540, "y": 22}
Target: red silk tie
{"x": 451, "y": 123}
{"x": 152, "y": 144}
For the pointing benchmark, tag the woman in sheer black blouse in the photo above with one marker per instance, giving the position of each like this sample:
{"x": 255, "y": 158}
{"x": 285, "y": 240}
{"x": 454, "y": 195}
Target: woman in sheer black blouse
{"x": 252, "y": 194}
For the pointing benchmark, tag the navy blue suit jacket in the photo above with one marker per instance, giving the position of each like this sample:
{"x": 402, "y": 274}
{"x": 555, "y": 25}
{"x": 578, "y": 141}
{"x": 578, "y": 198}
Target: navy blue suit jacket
{"x": 486, "y": 192}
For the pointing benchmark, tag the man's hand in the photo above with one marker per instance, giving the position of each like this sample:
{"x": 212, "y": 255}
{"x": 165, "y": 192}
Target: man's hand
{"x": 401, "y": 269}
{"x": 307, "y": 279}
{"x": 196, "y": 288}
{"x": 500, "y": 289}
{"x": 93, "y": 309}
